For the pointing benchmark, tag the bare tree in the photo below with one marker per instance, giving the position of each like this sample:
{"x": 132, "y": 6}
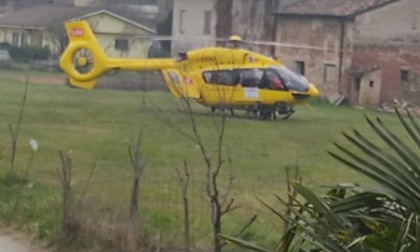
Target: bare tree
{"x": 218, "y": 199}
{"x": 184, "y": 180}
{"x": 137, "y": 163}
{"x": 58, "y": 35}
{"x": 14, "y": 132}
{"x": 64, "y": 172}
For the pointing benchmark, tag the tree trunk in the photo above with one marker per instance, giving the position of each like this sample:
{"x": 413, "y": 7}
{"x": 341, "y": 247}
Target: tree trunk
{"x": 224, "y": 18}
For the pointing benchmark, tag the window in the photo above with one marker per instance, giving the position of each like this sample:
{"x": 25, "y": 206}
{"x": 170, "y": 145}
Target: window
{"x": 292, "y": 80}
{"x": 272, "y": 81}
{"x": 371, "y": 83}
{"x": 405, "y": 76}
{"x": 181, "y": 22}
{"x": 330, "y": 73}
{"x": 174, "y": 77}
{"x": 15, "y": 39}
{"x": 244, "y": 77}
{"x": 24, "y": 39}
{"x": 357, "y": 82}
{"x": 223, "y": 77}
{"x": 250, "y": 77}
{"x": 300, "y": 67}
{"x": 121, "y": 44}
{"x": 207, "y": 22}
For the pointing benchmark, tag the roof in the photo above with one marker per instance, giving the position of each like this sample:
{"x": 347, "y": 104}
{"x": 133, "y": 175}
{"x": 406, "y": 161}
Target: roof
{"x": 120, "y": 18}
{"x": 31, "y": 3}
{"x": 334, "y": 8}
{"x": 41, "y": 17}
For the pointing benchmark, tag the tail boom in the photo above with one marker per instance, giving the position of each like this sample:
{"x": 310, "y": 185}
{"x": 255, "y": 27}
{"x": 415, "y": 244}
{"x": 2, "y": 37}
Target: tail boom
{"x": 84, "y": 60}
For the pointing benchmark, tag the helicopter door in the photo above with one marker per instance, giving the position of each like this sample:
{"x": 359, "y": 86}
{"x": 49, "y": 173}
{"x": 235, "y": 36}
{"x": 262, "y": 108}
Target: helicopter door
{"x": 250, "y": 82}
{"x": 180, "y": 86}
{"x": 220, "y": 87}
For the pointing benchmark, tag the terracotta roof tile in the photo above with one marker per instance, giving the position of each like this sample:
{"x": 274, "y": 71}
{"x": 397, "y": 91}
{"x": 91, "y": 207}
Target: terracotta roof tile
{"x": 332, "y": 7}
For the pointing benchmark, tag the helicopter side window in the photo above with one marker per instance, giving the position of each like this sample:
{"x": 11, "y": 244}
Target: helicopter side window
{"x": 222, "y": 77}
{"x": 250, "y": 77}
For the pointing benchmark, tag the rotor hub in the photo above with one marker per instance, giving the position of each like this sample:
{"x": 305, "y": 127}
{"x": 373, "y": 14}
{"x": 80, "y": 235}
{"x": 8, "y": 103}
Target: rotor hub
{"x": 82, "y": 61}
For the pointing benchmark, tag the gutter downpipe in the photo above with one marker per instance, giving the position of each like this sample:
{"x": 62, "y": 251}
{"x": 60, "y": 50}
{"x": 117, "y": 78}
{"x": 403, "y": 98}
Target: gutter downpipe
{"x": 274, "y": 27}
{"x": 341, "y": 54}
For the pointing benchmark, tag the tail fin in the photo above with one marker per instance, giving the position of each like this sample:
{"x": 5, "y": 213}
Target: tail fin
{"x": 84, "y": 60}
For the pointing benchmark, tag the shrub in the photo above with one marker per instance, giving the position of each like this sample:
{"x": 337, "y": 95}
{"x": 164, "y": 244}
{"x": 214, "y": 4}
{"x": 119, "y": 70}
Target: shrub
{"x": 28, "y": 53}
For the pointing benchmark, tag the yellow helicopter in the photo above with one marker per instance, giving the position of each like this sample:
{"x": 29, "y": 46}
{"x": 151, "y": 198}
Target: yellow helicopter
{"x": 217, "y": 77}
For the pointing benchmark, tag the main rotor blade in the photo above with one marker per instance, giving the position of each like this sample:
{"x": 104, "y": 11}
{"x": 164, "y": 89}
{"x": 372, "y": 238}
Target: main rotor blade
{"x": 258, "y": 43}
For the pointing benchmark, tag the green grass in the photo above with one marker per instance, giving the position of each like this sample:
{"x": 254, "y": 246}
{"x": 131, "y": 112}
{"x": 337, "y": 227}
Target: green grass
{"x": 95, "y": 126}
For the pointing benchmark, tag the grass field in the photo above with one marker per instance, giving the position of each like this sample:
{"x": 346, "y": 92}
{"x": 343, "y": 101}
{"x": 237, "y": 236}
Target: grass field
{"x": 96, "y": 124}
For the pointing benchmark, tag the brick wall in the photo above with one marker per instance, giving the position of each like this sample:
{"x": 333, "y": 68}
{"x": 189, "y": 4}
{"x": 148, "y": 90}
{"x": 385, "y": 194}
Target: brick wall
{"x": 325, "y": 35}
{"x": 392, "y": 60}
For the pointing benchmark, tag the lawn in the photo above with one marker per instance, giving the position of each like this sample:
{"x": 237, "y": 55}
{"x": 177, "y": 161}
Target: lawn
{"x": 95, "y": 125}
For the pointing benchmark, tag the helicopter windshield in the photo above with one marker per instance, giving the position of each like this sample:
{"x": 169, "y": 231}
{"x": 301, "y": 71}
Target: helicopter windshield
{"x": 293, "y": 81}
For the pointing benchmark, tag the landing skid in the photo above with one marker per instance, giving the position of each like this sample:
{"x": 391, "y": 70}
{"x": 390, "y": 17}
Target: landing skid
{"x": 261, "y": 113}
{"x": 289, "y": 114}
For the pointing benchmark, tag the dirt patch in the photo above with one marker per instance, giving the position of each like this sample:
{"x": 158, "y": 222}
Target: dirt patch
{"x": 47, "y": 79}
{"x": 12, "y": 241}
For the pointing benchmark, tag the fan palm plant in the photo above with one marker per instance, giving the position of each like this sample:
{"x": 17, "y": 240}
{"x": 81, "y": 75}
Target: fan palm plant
{"x": 351, "y": 218}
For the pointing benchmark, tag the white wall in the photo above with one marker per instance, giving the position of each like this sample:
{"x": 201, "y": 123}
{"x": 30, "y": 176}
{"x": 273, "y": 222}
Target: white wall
{"x": 108, "y": 28}
{"x": 190, "y": 24}
{"x": 6, "y": 35}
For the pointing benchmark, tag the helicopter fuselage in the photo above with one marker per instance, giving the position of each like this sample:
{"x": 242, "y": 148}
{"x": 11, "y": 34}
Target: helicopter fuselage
{"x": 236, "y": 78}
{"x": 214, "y": 76}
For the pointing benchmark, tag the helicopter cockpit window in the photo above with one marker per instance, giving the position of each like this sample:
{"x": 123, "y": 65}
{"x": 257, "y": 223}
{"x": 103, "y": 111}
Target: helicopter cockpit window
{"x": 292, "y": 80}
{"x": 272, "y": 81}
{"x": 207, "y": 76}
{"x": 222, "y": 77}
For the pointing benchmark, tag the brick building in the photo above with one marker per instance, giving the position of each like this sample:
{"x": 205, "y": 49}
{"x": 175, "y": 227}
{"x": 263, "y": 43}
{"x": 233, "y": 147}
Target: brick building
{"x": 366, "y": 50}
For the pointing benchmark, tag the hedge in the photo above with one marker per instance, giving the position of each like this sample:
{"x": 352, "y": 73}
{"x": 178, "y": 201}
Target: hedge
{"x": 27, "y": 53}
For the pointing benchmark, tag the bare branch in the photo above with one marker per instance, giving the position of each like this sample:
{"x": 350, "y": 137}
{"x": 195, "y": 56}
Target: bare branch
{"x": 136, "y": 160}
{"x": 88, "y": 181}
{"x": 244, "y": 228}
{"x": 64, "y": 172}
{"x": 15, "y": 134}
{"x": 184, "y": 180}
{"x": 229, "y": 207}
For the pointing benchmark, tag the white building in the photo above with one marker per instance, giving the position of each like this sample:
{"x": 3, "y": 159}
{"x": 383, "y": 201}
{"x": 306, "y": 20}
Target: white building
{"x": 193, "y": 24}
{"x": 195, "y": 21}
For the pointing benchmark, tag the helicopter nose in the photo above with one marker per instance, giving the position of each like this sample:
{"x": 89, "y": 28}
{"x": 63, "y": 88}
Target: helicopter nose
{"x": 313, "y": 91}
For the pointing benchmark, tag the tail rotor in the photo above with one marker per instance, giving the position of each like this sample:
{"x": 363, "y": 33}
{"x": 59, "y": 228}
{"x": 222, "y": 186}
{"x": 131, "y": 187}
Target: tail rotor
{"x": 83, "y": 61}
